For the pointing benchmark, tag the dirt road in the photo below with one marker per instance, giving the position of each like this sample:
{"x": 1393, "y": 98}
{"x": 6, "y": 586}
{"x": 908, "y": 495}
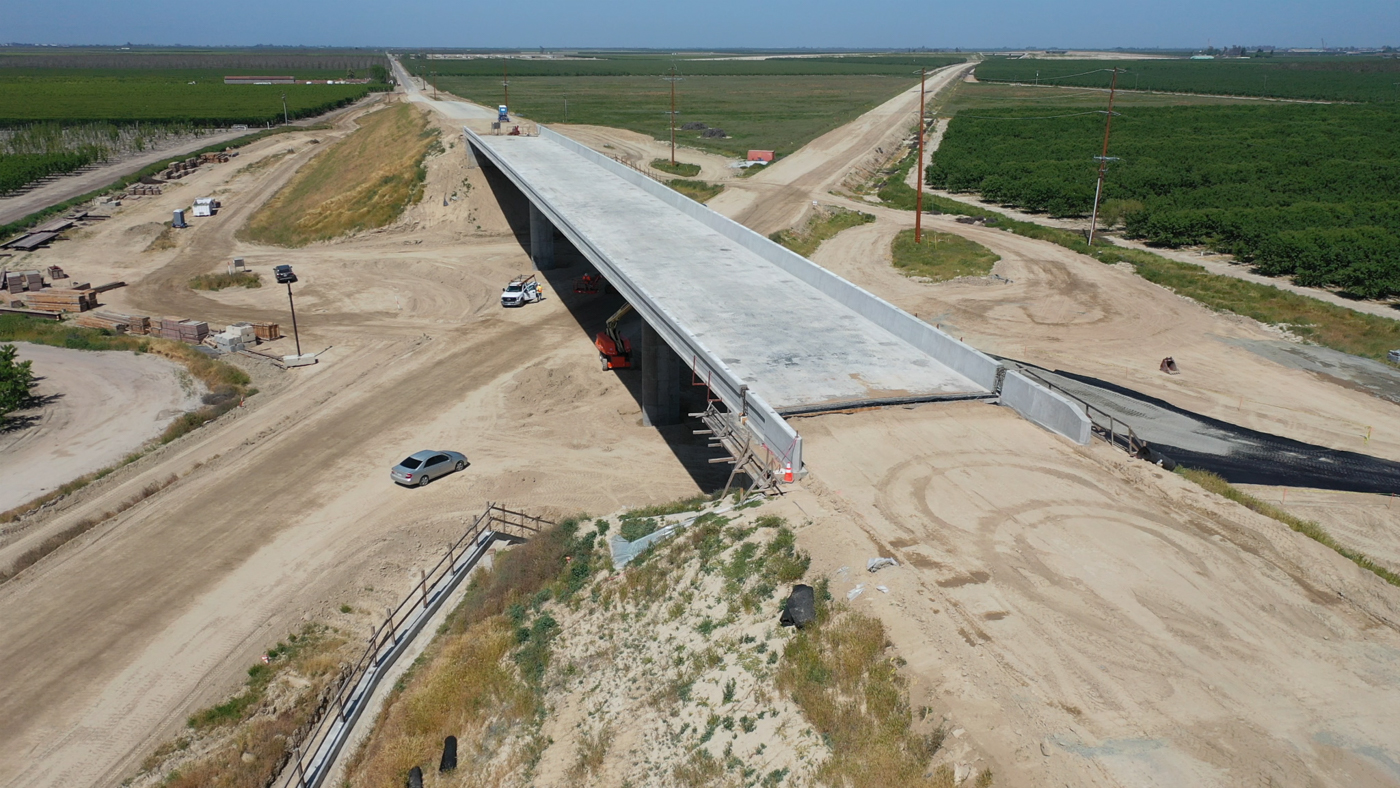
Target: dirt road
{"x": 97, "y": 408}
{"x": 779, "y": 196}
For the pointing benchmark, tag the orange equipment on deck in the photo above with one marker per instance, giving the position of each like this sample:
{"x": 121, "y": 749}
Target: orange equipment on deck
{"x": 613, "y": 349}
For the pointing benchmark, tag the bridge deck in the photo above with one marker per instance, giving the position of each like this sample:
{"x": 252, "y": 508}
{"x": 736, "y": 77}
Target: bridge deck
{"x": 791, "y": 343}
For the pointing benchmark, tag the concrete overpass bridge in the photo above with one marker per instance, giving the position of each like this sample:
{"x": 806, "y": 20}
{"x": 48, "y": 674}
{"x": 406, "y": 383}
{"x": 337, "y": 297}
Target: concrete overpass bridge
{"x": 771, "y": 334}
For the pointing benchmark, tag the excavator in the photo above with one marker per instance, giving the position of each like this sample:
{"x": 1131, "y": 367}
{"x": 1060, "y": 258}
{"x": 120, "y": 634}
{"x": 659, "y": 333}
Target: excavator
{"x": 613, "y": 349}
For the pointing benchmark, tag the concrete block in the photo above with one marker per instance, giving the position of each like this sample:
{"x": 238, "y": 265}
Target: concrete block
{"x": 1040, "y": 405}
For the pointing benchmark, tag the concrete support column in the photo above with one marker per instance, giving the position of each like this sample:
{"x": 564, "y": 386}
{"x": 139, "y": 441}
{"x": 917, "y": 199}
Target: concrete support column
{"x": 541, "y": 240}
{"x": 661, "y": 380}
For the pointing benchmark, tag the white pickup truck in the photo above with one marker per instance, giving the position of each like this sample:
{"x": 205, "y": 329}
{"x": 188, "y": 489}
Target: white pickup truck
{"x": 521, "y": 290}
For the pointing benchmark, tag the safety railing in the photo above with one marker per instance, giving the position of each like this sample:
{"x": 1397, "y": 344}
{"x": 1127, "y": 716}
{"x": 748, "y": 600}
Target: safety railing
{"x": 1112, "y": 430}
{"x": 314, "y": 756}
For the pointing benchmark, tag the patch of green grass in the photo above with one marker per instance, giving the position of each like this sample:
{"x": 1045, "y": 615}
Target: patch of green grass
{"x": 1214, "y": 483}
{"x": 941, "y": 256}
{"x": 820, "y": 227}
{"x": 679, "y": 168}
{"x": 362, "y": 182}
{"x": 699, "y": 191}
{"x": 680, "y": 505}
{"x": 246, "y": 279}
{"x": 311, "y": 641}
{"x": 839, "y": 673}
{"x": 1329, "y": 325}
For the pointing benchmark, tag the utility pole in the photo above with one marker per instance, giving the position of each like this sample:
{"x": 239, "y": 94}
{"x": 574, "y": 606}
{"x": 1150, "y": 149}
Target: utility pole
{"x": 673, "y": 79}
{"x": 284, "y": 108}
{"x": 919, "y": 197}
{"x": 1103, "y": 159}
{"x": 505, "y": 82}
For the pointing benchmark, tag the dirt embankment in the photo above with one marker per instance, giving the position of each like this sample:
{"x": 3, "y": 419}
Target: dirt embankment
{"x": 97, "y": 407}
{"x": 1092, "y": 620}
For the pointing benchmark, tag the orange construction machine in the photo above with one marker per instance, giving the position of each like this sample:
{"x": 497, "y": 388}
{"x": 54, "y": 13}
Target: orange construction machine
{"x": 613, "y": 349}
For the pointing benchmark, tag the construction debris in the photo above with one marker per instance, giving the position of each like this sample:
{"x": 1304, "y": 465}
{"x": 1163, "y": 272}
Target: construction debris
{"x": 876, "y": 564}
{"x": 800, "y": 608}
{"x": 714, "y": 134}
{"x": 1168, "y": 366}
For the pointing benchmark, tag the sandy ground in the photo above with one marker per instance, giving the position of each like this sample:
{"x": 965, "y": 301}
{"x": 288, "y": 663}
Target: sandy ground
{"x": 640, "y": 150}
{"x": 1092, "y": 620}
{"x": 284, "y": 510}
{"x": 97, "y": 408}
{"x": 1185, "y": 641}
{"x": 1223, "y": 264}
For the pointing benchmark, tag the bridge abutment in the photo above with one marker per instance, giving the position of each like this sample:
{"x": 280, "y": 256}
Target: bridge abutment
{"x": 541, "y": 240}
{"x": 661, "y": 380}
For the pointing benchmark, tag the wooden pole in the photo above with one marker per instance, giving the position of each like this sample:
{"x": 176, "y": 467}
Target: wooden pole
{"x": 919, "y": 198}
{"x": 673, "y": 115}
{"x": 1103, "y": 159}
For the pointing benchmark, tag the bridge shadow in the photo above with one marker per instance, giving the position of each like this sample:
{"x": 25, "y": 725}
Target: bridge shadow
{"x": 591, "y": 312}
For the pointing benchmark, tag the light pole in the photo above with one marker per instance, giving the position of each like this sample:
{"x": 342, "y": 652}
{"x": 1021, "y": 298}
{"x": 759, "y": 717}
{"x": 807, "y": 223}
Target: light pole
{"x": 284, "y": 108}
{"x": 284, "y": 276}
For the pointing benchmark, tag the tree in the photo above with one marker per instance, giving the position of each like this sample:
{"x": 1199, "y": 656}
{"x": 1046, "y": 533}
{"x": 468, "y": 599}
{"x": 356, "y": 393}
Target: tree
{"x": 16, "y": 382}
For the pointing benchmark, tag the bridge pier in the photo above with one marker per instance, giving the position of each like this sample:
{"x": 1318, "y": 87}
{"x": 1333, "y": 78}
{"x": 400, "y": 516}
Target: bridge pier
{"x": 661, "y": 380}
{"x": 541, "y": 240}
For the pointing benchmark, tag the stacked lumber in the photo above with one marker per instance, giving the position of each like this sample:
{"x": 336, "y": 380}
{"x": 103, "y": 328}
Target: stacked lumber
{"x": 180, "y": 329}
{"x": 60, "y": 300}
{"x": 116, "y": 321}
{"x": 267, "y": 331}
{"x": 19, "y": 281}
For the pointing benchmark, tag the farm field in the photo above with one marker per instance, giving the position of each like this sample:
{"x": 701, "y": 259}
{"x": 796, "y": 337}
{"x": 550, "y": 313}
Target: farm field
{"x": 777, "y": 105}
{"x": 1353, "y": 78}
{"x": 59, "y": 113}
{"x": 1304, "y": 190}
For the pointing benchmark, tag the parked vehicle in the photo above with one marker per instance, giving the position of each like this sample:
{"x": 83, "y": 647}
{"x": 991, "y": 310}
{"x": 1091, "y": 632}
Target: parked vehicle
{"x": 614, "y": 350}
{"x": 422, "y": 467}
{"x": 521, "y": 290}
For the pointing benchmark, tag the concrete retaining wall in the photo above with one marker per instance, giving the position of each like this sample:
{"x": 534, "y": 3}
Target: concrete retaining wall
{"x": 975, "y": 365}
{"x": 1044, "y": 407}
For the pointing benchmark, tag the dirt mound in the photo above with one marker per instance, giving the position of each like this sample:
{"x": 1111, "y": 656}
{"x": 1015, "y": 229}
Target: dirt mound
{"x": 362, "y": 182}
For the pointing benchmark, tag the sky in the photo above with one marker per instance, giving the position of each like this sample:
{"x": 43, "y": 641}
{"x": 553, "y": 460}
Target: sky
{"x": 1086, "y": 24}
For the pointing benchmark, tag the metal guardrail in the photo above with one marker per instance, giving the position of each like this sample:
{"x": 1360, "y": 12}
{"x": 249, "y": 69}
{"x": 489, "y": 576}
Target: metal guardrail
{"x": 1115, "y": 431}
{"x": 314, "y": 756}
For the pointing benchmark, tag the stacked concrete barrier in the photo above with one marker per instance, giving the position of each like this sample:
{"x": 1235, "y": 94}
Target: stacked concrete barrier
{"x": 1040, "y": 405}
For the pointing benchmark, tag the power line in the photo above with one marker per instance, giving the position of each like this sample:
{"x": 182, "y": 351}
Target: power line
{"x": 1036, "y": 117}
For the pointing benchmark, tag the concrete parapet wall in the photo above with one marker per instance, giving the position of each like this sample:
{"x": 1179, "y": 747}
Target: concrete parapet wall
{"x": 1050, "y": 410}
{"x": 970, "y": 362}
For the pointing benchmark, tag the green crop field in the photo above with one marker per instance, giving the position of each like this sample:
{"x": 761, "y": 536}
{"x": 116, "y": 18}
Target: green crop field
{"x": 1351, "y": 78}
{"x": 61, "y": 109}
{"x": 1307, "y": 190}
{"x": 779, "y": 104}
{"x": 160, "y": 99}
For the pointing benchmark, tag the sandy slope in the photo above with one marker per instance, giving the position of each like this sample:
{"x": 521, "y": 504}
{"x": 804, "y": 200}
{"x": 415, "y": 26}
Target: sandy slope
{"x": 98, "y": 407}
{"x": 1142, "y": 631}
